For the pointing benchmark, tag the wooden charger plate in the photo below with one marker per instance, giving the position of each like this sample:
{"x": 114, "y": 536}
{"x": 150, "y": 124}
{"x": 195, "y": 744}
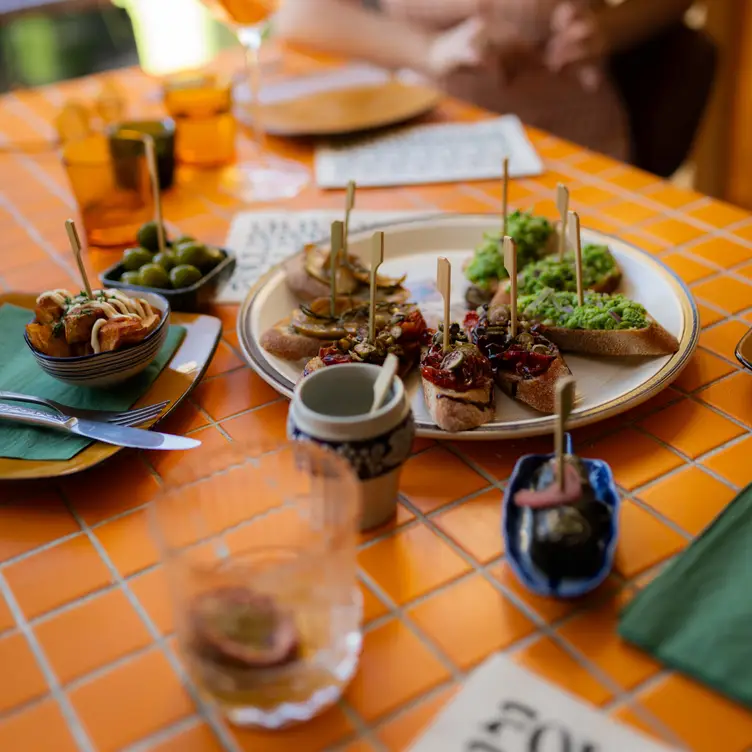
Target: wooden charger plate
{"x": 342, "y": 111}
{"x": 605, "y": 386}
{"x": 174, "y": 383}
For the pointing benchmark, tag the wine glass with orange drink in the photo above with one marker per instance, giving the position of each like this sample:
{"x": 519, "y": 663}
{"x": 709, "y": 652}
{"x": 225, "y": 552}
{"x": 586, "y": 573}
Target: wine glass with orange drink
{"x": 270, "y": 177}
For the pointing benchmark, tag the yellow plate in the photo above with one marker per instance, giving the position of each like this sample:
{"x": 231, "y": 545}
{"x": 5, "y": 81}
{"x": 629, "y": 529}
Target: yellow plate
{"x": 174, "y": 383}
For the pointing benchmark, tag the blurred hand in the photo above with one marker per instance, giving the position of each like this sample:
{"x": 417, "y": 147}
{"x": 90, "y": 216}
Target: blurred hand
{"x": 463, "y": 46}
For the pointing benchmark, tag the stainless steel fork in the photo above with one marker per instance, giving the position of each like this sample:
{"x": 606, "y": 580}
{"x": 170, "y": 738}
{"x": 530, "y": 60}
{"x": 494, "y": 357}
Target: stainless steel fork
{"x": 132, "y": 417}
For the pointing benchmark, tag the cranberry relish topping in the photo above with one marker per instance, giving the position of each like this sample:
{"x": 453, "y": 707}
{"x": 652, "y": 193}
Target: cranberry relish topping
{"x": 527, "y": 355}
{"x": 461, "y": 369}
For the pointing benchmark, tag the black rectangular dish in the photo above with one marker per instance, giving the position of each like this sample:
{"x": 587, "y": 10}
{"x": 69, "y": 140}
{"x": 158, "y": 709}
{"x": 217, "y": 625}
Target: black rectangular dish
{"x": 744, "y": 350}
{"x": 191, "y": 298}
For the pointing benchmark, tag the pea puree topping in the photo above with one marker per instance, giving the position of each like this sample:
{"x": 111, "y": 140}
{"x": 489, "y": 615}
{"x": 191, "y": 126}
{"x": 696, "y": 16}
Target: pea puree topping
{"x": 529, "y": 232}
{"x": 600, "y": 311}
{"x": 597, "y": 263}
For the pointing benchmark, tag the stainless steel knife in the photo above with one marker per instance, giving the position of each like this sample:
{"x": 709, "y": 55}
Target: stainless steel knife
{"x": 109, "y": 433}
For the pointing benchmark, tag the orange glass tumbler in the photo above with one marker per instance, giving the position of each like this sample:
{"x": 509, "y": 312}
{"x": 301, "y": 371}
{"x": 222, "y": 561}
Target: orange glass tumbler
{"x": 111, "y": 211}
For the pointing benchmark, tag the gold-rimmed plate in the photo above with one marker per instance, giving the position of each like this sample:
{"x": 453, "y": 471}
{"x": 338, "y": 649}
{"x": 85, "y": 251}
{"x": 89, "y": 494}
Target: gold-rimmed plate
{"x": 174, "y": 383}
{"x": 606, "y": 386}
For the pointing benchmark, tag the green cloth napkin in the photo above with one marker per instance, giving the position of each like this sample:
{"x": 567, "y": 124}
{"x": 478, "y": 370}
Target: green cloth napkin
{"x": 19, "y": 372}
{"x": 696, "y": 615}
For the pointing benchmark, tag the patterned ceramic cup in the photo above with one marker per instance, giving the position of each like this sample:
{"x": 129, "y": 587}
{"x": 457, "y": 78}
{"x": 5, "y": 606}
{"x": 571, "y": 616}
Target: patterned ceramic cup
{"x": 331, "y": 407}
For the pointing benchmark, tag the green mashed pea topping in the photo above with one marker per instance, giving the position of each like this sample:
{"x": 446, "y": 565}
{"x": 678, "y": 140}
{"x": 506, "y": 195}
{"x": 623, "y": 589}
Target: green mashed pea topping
{"x": 530, "y": 233}
{"x": 600, "y": 311}
{"x": 597, "y": 263}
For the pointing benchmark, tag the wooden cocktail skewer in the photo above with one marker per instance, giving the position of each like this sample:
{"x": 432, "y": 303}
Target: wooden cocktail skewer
{"x": 444, "y": 285}
{"x": 151, "y": 164}
{"x": 564, "y": 404}
{"x": 574, "y": 238}
{"x": 384, "y": 381}
{"x": 562, "y": 204}
{"x": 75, "y": 244}
{"x": 510, "y": 264}
{"x": 336, "y": 241}
{"x": 349, "y": 205}
{"x": 504, "y": 195}
{"x": 377, "y": 258}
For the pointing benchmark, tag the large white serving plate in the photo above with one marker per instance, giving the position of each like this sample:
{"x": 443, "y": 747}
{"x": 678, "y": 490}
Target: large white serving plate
{"x": 606, "y": 386}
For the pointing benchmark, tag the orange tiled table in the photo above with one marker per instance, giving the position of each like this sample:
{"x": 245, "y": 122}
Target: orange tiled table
{"x": 86, "y": 660}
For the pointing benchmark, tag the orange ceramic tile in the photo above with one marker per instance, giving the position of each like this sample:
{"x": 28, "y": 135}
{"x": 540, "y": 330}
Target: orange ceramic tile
{"x": 702, "y": 719}
{"x": 420, "y": 444}
{"x": 40, "y": 275}
{"x": 557, "y": 149}
{"x": 635, "y": 459}
{"x": 225, "y": 359}
{"x": 719, "y": 214}
{"x": 722, "y": 251}
{"x": 228, "y": 314}
{"x": 673, "y": 230}
{"x": 153, "y": 593}
{"x": 691, "y": 428}
{"x": 57, "y": 575}
{"x": 745, "y": 231}
{"x": 24, "y": 680}
{"x": 629, "y": 212}
{"x": 176, "y": 468}
{"x": 261, "y": 430}
{"x": 593, "y": 633}
{"x": 359, "y": 746}
{"x": 550, "y": 179}
{"x": 199, "y": 738}
{"x": 232, "y": 393}
{"x": 732, "y": 395}
{"x": 185, "y": 418}
{"x": 549, "y": 609}
{"x": 644, "y": 242}
{"x": 129, "y": 483}
{"x": 595, "y": 163}
{"x": 593, "y": 221}
{"x": 373, "y": 607}
{"x": 40, "y": 727}
{"x": 726, "y": 293}
{"x": 395, "y": 667}
{"x": 400, "y": 732}
{"x": 131, "y": 701}
{"x": 233, "y": 341}
{"x": 39, "y": 518}
{"x": 733, "y": 462}
{"x": 314, "y": 736}
{"x": 280, "y": 527}
{"x": 644, "y": 541}
{"x": 461, "y": 201}
{"x": 708, "y": 316}
{"x": 475, "y": 525}
{"x": 91, "y": 635}
{"x": 411, "y": 563}
{"x": 129, "y": 542}
{"x": 545, "y": 208}
{"x": 547, "y": 659}
{"x": 632, "y": 179}
{"x": 519, "y": 194}
{"x": 436, "y": 477}
{"x": 470, "y": 620}
{"x": 745, "y": 271}
{"x": 690, "y": 497}
{"x": 640, "y": 720}
{"x": 7, "y": 620}
{"x": 703, "y": 368}
{"x": 724, "y": 338}
{"x": 689, "y": 269}
{"x": 590, "y": 195}
{"x": 499, "y": 457}
{"x": 402, "y": 517}
{"x": 671, "y": 195}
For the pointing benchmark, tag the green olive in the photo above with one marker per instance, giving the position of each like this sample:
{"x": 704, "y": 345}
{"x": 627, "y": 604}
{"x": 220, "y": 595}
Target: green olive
{"x": 213, "y": 257}
{"x": 166, "y": 260}
{"x": 153, "y": 275}
{"x": 184, "y": 275}
{"x": 192, "y": 254}
{"x": 183, "y": 239}
{"x": 148, "y": 236}
{"x": 135, "y": 258}
{"x": 130, "y": 278}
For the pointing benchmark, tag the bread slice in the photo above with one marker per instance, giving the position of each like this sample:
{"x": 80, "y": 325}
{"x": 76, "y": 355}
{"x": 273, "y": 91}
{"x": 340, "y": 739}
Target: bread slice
{"x": 651, "y": 340}
{"x": 284, "y": 342}
{"x": 459, "y": 411}
{"x": 539, "y": 392}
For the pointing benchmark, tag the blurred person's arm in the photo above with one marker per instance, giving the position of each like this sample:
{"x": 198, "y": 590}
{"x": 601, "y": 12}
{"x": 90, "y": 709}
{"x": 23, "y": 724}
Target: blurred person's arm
{"x": 344, "y": 27}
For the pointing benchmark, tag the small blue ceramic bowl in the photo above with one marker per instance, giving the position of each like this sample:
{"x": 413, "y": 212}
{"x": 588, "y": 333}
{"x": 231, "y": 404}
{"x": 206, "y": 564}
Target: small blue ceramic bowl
{"x": 106, "y": 369}
{"x": 602, "y": 481}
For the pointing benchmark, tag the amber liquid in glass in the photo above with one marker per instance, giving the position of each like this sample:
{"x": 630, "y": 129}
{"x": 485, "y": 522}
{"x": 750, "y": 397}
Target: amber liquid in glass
{"x": 242, "y": 12}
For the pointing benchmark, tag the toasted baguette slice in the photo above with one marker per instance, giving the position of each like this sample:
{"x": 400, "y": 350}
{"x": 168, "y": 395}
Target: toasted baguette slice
{"x": 284, "y": 342}
{"x": 607, "y": 284}
{"x": 652, "y": 340}
{"x": 539, "y": 392}
{"x": 459, "y": 411}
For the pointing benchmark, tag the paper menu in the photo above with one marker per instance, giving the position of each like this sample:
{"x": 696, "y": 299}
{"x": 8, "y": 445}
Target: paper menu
{"x": 442, "y": 153}
{"x": 505, "y": 708}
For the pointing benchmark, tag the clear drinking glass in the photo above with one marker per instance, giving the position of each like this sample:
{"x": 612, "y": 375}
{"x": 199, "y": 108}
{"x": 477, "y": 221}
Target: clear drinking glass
{"x": 269, "y": 178}
{"x": 261, "y": 561}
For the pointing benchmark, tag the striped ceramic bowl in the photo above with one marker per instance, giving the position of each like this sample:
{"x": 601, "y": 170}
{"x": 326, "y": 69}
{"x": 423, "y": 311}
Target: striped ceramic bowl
{"x": 106, "y": 369}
